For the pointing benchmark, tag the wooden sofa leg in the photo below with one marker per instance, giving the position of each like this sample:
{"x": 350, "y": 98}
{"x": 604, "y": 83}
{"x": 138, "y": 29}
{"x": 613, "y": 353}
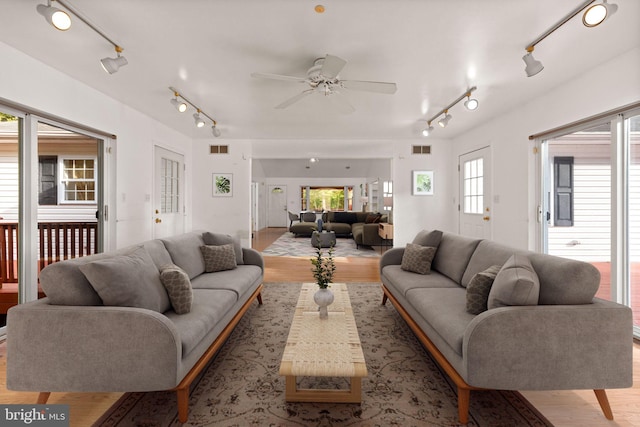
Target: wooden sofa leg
{"x": 182, "y": 395}
{"x": 601, "y": 395}
{"x": 464, "y": 395}
{"x": 384, "y": 299}
{"x": 43, "y": 397}
{"x": 259, "y": 298}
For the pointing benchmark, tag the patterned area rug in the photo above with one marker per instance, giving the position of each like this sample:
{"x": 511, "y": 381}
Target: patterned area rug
{"x": 242, "y": 387}
{"x": 289, "y": 245}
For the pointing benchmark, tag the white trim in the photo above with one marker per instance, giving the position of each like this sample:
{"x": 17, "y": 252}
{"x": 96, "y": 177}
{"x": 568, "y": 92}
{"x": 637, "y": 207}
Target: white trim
{"x": 61, "y": 181}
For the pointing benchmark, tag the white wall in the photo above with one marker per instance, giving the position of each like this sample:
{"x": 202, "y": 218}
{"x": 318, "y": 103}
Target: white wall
{"x": 612, "y": 84}
{"x": 35, "y": 85}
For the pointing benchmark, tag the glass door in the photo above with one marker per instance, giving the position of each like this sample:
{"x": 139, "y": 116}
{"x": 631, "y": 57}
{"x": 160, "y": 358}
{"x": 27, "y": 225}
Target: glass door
{"x": 633, "y": 138}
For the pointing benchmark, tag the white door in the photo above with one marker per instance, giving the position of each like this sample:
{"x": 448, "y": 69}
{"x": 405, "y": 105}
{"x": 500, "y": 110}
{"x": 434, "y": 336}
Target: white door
{"x": 168, "y": 193}
{"x": 277, "y": 206}
{"x": 475, "y": 194}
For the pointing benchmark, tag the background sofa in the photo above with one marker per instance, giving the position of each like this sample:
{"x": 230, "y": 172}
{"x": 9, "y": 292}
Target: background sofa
{"x": 540, "y": 327}
{"x": 108, "y": 323}
{"x": 361, "y": 226}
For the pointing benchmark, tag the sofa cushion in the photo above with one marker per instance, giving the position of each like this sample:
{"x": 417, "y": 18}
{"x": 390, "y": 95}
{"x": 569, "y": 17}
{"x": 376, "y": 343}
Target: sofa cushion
{"x": 565, "y": 281}
{"x": 218, "y": 239}
{"x": 402, "y": 281}
{"x": 428, "y": 238}
{"x": 515, "y": 284}
{"x": 64, "y": 284}
{"x": 218, "y": 258}
{"x": 185, "y": 252}
{"x": 345, "y": 217}
{"x": 478, "y": 289}
{"x": 452, "y": 257}
{"x": 445, "y": 310}
{"x": 130, "y": 280}
{"x": 488, "y": 253}
{"x": 209, "y": 307}
{"x": 176, "y": 281}
{"x": 158, "y": 252}
{"x": 338, "y": 227}
{"x": 417, "y": 258}
{"x": 372, "y": 218}
{"x": 240, "y": 280}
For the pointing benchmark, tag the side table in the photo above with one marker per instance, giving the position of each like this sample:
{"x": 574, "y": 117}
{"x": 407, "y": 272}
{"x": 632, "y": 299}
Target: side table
{"x": 385, "y": 231}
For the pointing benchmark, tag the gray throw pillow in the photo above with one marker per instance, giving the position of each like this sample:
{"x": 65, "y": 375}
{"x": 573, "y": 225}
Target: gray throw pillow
{"x": 130, "y": 280}
{"x": 478, "y": 289}
{"x": 428, "y": 238}
{"x": 218, "y": 239}
{"x": 218, "y": 258}
{"x": 176, "y": 282}
{"x": 417, "y": 258}
{"x": 515, "y": 284}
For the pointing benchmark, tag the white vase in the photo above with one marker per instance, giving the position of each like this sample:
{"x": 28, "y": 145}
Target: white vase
{"x": 324, "y": 298}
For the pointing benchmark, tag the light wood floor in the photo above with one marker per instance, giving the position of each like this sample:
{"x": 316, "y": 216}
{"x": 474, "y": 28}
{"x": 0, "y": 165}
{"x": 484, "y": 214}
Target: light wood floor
{"x": 562, "y": 408}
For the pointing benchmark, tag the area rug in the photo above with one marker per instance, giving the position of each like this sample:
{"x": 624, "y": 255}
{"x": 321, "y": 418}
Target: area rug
{"x": 241, "y": 386}
{"x": 289, "y": 245}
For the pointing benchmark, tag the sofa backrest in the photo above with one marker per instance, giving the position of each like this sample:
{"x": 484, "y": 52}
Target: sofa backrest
{"x": 562, "y": 280}
{"x": 453, "y": 255}
{"x": 186, "y": 253}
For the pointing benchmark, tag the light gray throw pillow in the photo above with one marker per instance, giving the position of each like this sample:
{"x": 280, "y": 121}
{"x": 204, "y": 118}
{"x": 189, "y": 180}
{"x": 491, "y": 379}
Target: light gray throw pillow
{"x": 218, "y": 239}
{"x": 478, "y": 289}
{"x": 218, "y": 258}
{"x": 515, "y": 284}
{"x": 130, "y": 280}
{"x": 176, "y": 282}
{"x": 417, "y": 258}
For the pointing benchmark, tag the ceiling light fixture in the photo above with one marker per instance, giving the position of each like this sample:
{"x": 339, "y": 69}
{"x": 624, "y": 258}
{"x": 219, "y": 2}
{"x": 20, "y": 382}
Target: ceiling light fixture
{"x": 470, "y": 103}
{"x": 593, "y": 16}
{"x": 181, "y": 105}
{"x": 54, "y": 16}
{"x": 62, "y": 21}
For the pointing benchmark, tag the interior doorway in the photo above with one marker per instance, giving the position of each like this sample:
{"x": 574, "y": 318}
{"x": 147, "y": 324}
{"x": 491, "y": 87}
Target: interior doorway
{"x": 277, "y": 206}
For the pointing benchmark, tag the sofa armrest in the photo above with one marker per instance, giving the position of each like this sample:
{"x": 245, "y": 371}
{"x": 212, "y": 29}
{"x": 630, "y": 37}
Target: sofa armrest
{"x": 253, "y": 257}
{"x": 90, "y": 348}
{"x": 550, "y": 347}
{"x": 391, "y": 257}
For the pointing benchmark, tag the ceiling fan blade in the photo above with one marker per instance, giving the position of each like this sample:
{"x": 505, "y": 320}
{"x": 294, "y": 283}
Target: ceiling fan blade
{"x": 378, "y": 87}
{"x": 331, "y": 66}
{"x": 340, "y": 102}
{"x": 278, "y": 77}
{"x": 295, "y": 99}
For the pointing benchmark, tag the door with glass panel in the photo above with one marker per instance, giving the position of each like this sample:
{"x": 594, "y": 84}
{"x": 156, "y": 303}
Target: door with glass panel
{"x": 633, "y": 138}
{"x": 475, "y": 194}
{"x": 168, "y": 198}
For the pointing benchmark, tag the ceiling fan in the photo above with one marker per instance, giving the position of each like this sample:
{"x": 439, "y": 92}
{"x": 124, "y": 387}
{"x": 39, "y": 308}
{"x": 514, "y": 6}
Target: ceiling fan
{"x": 323, "y": 79}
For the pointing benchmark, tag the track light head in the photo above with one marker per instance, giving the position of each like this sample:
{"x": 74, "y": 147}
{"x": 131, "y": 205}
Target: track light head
{"x": 181, "y": 106}
{"x": 198, "y": 119}
{"x": 216, "y": 132}
{"x": 443, "y": 122}
{"x": 471, "y": 103}
{"x": 598, "y": 13}
{"x": 54, "y": 16}
{"x": 533, "y": 66}
{"x": 111, "y": 65}
{"x": 426, "y": 131}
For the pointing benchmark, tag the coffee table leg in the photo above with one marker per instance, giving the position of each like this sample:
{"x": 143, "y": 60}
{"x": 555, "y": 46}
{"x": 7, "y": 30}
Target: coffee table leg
{"x": 351, "y": 395}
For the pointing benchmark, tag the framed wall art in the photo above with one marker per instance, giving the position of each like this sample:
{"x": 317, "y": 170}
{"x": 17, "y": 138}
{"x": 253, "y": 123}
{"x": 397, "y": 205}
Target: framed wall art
{"x": 423, "y": 183}
{"x": 222, "y": 184}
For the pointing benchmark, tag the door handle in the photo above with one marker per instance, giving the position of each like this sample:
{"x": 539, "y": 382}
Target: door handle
{"x": 158, "y": 220}
{"x": 486, "y": 218}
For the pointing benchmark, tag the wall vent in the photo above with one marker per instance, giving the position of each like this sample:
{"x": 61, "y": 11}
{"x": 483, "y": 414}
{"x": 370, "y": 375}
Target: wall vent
{"x": 421, "y": 149}
{"x": 219, "y": 149}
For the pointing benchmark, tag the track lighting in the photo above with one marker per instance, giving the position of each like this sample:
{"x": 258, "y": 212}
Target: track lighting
{"x": 181, "y": 106}
{"x": 594, "y": 15}
{"x": 54, "y": 16}
{"x": 470, "y": 103}
{"x": 181, "y": 103}
{"x": 62, "y": 21}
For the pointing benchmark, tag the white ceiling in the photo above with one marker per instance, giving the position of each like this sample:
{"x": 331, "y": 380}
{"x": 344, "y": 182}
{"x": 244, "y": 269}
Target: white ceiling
{"x": 433, "y": 49}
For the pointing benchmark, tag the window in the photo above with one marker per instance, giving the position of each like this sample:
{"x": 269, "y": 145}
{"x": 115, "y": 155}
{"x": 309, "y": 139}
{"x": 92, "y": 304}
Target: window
{"x": 78, "y": 180}
{"x": 473, "y": 186}
{"x": 319, "y": 199}
{"x": 387, "y": 195}
{"x": 169, "y": 186}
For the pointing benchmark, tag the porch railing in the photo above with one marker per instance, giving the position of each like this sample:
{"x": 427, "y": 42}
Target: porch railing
{"x": 57, "y": 241}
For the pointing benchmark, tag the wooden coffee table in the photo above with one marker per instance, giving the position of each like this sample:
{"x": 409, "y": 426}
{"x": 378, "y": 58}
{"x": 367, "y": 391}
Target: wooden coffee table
{"x": 323, "y": 348}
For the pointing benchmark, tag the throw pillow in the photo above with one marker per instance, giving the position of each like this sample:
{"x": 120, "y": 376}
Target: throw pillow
{"x": 218, "y": 239}
{"x": 417, "y": 258}
{"x": 428, "y": 238}
{"x": 176, "y": 282}
{"x": 218, "y": 258}
{"x": 478, "y": 289}
{"x": 515, "y": 284}
{"x": 130, "y": 280}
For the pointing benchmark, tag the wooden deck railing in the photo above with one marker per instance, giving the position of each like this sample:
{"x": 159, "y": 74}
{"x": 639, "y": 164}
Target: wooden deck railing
{"x": 57, "y": 241}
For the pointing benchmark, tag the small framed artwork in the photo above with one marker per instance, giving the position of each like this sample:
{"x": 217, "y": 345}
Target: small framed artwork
{"x": 423, "y": 183}
{"x": 222, "y": 184}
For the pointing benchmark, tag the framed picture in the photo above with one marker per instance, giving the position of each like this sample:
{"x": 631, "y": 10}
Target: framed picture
{"x": 222, "y": 185}
{"x": 423, "y": 183}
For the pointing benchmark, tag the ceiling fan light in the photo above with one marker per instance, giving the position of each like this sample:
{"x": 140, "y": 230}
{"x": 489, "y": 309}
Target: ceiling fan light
{"x": 112, "y": 65}
{"x": 533, "y": 66}
{"x": 471, "y": 104}
{"x": 215, "y": 131}
{"x": 598, "y": 13}
{"x": 198, "y": 120}
{"x": 181, "y": 106}
{"x": 443, "y": 122}
{"x": 54, "y": 16}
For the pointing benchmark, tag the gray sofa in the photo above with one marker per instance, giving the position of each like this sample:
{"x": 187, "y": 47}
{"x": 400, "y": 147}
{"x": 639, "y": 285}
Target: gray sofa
{"x": 83, "y": 337}
{"x": 355, "y": 225}
{"x": 563, "y": 338}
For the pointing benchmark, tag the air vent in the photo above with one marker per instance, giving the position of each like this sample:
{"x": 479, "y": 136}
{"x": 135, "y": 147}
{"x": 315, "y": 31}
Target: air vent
{"x": 219, "y": 149}
{"x": 421, "y": 149}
